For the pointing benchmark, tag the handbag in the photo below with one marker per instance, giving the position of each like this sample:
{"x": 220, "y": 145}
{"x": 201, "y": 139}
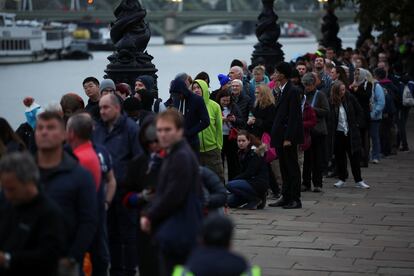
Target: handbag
{"x": 233, "y": 133}
{"x": 270, "y": 154}
{"x": 408, "y": 98}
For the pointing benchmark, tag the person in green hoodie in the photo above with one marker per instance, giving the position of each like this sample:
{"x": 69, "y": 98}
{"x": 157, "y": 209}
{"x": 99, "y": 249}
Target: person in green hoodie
{"x": 211, "y": 138}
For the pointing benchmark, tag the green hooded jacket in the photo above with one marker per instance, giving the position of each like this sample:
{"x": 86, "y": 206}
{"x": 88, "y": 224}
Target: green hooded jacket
{"x": 212, "y": 137}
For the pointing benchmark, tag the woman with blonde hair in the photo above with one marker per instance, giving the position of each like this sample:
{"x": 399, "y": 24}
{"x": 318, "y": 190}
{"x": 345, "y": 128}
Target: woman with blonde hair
{"x": 261, "y": 118}
{"x": 261, "y": 121}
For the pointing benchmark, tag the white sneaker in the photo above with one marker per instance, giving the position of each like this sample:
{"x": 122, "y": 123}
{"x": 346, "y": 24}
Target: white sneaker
{"x": 375, "y": 161}
{"x": 339, "y": 184}
{"x": 362, "y": 185}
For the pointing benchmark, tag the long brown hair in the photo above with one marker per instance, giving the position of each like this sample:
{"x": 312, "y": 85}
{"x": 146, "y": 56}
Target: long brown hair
{"x": 336, "y": 98}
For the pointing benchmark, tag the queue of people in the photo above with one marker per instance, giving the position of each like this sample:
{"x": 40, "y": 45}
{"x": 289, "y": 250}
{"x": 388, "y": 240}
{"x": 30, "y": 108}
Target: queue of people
{"x": 130, "y": 183}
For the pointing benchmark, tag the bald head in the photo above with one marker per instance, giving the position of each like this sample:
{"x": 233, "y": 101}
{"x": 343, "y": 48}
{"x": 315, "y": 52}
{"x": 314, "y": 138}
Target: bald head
{"x": 236, "y": 73}
{"x": 110, "y": 108}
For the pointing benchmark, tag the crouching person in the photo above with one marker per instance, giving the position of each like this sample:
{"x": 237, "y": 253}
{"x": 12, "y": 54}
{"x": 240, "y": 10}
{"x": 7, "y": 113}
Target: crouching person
{"x": 248, "y": 189}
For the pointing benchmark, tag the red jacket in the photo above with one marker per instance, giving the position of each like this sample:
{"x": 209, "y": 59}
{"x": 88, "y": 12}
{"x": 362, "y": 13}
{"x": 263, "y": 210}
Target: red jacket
{"x": 309, "y": 121}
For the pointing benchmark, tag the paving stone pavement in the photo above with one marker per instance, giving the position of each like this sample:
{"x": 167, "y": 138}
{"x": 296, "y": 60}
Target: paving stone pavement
{"x": 346, "y": 231}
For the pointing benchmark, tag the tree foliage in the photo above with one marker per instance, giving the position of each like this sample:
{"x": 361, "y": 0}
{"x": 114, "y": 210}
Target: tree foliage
{"x": 387, "y": 16}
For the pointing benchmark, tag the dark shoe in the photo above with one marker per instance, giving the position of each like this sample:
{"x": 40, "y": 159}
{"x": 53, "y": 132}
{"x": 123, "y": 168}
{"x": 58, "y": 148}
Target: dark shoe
{"x": 262, "y": 203}
{"x": 364, "y": 164}
{"x": 305, "y": 189}
{"x": 293, "y": 205}
{"x": 317, "y": 190}
{"x": 404, "y": 149}
{"x": 279, "y": 203}
{"x": 273, "y": 196}
{"x": 253, "y": 205}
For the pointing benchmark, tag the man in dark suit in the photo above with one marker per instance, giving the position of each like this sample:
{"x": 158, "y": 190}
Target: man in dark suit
{"x": 287, "y": 134}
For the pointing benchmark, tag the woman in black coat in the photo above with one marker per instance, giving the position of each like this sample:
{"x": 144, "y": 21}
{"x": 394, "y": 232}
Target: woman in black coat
{"x": 248, "y": 189}
{"x": 261, "y": 121}
{"x": 346, "y": 115}
{"x": 232, "y": 119}
{"x": 141, "y": 181}
{"x": 263, "y": 114}
{"x": 361, "y": 88}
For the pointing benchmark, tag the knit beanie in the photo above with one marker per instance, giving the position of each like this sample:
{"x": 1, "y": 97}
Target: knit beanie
{"x": 32, "y": 110}
{"x": 105, "y": 84}
{"x": 223, "y": 79}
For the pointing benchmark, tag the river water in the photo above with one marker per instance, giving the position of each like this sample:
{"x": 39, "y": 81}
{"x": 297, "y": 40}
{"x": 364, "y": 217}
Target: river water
{"x": 48, "y": 81}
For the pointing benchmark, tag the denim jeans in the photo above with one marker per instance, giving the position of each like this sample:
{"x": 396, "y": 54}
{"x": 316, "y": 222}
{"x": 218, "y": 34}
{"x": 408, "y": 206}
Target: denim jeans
{"x": 241, "y": 192}
{"x": 375, "y": 139}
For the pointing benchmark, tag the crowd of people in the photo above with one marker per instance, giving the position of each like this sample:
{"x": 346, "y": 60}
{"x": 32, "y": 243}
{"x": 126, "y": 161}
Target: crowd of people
{"x": 129, "y": 181}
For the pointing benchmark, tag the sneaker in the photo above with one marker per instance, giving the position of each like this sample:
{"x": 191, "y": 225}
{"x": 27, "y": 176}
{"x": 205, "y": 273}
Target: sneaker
{"x": 362, "y": 185}
{"x": 339, "y": 184}
{"x": 375, "y": 161}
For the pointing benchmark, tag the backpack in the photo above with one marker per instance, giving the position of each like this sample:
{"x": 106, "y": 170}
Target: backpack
{"x": 156, "y": 107}
{"x": 408, "y": 98}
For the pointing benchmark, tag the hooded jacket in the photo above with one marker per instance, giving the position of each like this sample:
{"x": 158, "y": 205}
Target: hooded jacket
{"x": 192, "y": 107}
{"x": 212, "y": 137}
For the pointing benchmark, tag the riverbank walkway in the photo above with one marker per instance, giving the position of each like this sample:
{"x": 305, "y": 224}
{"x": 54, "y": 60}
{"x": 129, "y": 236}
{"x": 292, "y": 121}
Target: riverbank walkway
{"x": 346, "y": 231}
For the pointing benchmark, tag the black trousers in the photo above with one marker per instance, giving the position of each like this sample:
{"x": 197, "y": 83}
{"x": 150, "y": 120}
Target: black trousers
{"x": 229, "y": 153}
{"x": 342, "y": 149}
{"x": 148, "y": 256}
{"x": 388, "y": 135}
{"x": 364, "y": 132}
{"x": 290, "y": 171}
{"x": 313, "y": 163}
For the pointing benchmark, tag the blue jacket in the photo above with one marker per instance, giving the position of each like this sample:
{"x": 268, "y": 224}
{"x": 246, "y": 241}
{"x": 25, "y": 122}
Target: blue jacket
{"x": 122, "y": 144}
{"x": 73, "y": 189}
{"x": 192, "y": 107}
{"x": 377, "y": 102}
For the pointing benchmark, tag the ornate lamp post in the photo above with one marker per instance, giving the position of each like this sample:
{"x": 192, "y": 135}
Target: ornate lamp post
{"x": 330, "y": 27}
{"x": 267, "y": 51}
{"x": 130, "y": 34}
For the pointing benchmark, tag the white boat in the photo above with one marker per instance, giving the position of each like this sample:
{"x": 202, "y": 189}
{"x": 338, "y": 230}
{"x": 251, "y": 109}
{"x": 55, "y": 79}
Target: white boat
{"x": 57, "y": 39}
{"x": 20, "y": 43}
